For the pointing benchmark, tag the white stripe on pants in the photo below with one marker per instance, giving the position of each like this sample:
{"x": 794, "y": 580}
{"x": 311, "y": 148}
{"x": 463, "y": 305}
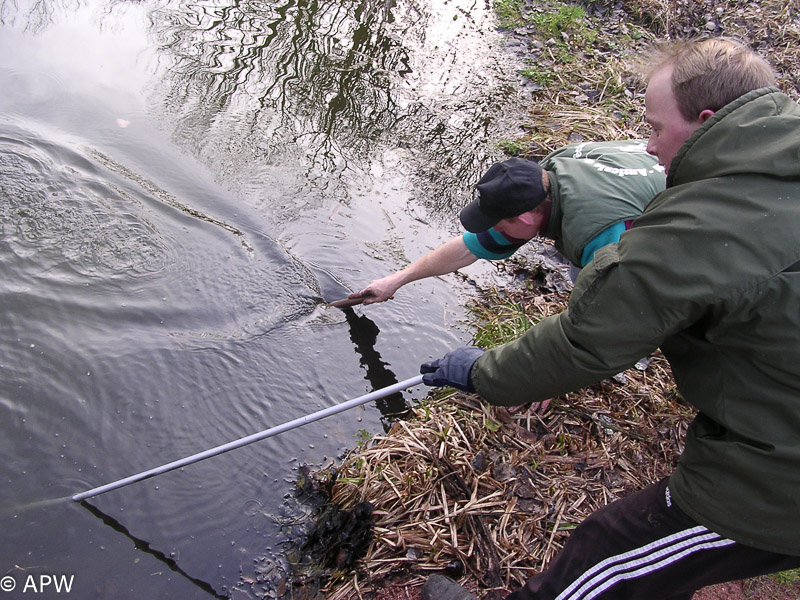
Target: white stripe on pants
{"x": 641, "y": 561}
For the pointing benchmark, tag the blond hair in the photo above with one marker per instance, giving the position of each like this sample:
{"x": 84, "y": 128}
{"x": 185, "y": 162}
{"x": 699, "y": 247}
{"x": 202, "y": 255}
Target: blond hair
{"x": 710, "y": 72}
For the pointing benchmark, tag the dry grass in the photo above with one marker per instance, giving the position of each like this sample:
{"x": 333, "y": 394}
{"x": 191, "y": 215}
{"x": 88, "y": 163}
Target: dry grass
{"x": 466, "y": 486}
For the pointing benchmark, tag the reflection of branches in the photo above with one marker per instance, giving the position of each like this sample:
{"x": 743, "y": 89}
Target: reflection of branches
{"x": 329, "y": 62}
{"x": 41, "y": 14}
{"x": 328, "y": 78}
{"x": 332, "y": 80}
{"x": 38, "y": 17}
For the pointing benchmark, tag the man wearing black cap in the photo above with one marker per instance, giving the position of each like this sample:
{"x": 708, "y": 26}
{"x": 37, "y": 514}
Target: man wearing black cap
{"x": 582, "y": 196}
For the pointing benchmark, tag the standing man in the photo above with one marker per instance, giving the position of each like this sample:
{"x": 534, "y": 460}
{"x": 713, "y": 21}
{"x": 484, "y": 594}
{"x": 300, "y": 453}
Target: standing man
{"x": 710, "y": 273}
{"x": 581, "y": 196}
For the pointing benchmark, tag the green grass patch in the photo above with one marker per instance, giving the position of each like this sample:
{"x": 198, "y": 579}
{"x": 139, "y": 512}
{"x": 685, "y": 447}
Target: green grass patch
{"x": 511, "y": 147}
{"x": 509, "y": 13}
{"x": 501, "y": 323}
{"x": 539, "y": 75}
{"x": 568, "y": 18}
{"x": 363, "y": 438}
{"x": 787, "y": 577}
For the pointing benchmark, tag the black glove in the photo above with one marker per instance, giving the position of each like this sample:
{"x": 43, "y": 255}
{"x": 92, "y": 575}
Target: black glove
{"x": 452, "y": 369}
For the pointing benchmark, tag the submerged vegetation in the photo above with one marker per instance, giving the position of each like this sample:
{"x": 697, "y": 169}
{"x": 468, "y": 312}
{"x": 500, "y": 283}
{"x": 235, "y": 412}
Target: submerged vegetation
{"x": 489, "y": 494}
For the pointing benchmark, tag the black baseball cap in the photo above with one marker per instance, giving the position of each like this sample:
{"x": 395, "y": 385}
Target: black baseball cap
{"x": 507, "y": 190}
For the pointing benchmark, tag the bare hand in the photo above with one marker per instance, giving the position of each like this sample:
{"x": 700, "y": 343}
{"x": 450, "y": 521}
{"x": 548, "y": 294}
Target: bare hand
{"x": 379, "y": 290}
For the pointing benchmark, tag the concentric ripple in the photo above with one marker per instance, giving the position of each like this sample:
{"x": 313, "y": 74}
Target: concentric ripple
{"x": 57, "y": 211}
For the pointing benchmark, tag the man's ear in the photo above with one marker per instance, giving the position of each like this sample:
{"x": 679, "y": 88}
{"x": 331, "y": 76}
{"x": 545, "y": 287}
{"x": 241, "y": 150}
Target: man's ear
{"x": 704, "y": 115}
{"x": 526, "y": 217}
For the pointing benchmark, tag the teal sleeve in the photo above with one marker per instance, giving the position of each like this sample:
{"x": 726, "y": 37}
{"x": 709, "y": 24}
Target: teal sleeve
{"x": 491, "y": 244}
{"x": 605, "y": 237}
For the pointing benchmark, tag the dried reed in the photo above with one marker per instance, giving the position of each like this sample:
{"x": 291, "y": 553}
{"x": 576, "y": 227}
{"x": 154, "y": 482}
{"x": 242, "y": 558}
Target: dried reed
{"x": 467, "y": 485}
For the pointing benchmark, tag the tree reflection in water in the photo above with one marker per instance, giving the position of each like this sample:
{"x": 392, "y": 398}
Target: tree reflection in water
{"x": 327, "y": 63}
{"x": 322, "y": 85}
{"x": 328, "y": 83}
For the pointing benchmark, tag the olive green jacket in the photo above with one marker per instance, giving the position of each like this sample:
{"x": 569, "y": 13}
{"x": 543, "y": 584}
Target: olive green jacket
{"x": 710, "y": 273}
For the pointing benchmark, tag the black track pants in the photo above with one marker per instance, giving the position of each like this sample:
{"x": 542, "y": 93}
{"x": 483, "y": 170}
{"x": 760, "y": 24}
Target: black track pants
{"x": 644, "y": 547}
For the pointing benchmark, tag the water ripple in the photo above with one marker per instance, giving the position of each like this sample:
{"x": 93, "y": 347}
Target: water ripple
{"x": 56, "y": 212}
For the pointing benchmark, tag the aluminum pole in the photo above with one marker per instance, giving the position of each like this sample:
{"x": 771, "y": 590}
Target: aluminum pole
{"x": 316, "y": 416}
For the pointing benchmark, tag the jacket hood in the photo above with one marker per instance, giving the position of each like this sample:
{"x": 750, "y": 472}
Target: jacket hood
{"x": 765, "y": 119}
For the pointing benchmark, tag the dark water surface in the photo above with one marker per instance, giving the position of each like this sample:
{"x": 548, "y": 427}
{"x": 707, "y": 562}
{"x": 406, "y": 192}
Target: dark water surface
{"x": 182, "y": 187}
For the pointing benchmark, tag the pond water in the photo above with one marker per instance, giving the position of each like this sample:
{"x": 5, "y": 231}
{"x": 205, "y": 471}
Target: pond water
{"x": 182, "y": 188}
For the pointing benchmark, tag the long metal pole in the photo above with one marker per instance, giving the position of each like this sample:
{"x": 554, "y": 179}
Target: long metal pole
{"x": 316, "y": 416}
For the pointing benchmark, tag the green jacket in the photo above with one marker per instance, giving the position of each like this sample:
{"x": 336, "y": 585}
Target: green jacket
{"x": 710, "y": 273}
{"x": 611, "y": 183}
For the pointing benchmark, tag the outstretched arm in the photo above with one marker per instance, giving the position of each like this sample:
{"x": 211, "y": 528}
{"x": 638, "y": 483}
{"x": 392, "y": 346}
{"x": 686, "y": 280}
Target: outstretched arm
{"x": 447, "y": 258}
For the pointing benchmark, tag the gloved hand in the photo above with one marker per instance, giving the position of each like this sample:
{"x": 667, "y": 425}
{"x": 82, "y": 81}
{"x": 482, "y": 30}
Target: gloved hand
{"x": 452, "y": 369}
